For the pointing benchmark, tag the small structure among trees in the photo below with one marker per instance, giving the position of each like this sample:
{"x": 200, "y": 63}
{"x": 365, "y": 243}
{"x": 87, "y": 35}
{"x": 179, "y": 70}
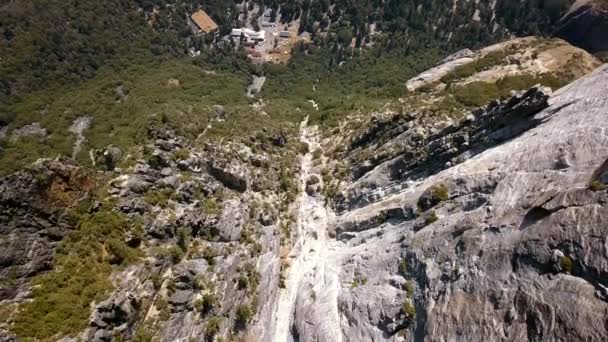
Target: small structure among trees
{"x": 201, "y": 23}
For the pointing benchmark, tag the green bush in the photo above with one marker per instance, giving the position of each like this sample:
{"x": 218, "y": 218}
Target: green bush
{"x": 143, "y": 334}
{"x": 209, "y": 254}
{"x": 431, "y": 218}
{"x": 597, "y": 186}
{"x": 208, "y": 302}
{"x": 211, "y": 206}
{"x": 478, "y": 94}
{"x": 433, "y": 196}
{"x": 158, "y": 198}
{"x": 409, "y": 289}
{"x": 440, "y": 192}
{"x": 475, "y": 94}
{"x": 163, "y": 309}
{"x": 176, "y": 254}
{"x": 61, "y": 299}
{"x": 183, "y": 239}
{"x": 408, "y": 309}
{"x": 212, "y": 328}
{"x": 494, "y": 58}
{"x": 242, "y": 282}
{"x": 317, "y": 153}
{"x": 566, "y": 264}
{"x": 121, "y": 253}
{"x": 181, "y": 154}
{"x": 243, "y": 315}
{"x": 403, "y": 267}
{"x": 303, "y": 148}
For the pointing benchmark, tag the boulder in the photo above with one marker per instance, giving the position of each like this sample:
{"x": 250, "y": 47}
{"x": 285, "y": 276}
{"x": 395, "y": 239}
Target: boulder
{"x": 231, "y": 176}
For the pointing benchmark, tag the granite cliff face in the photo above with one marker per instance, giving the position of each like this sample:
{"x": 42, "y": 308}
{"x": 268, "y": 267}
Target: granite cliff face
{"x": 509, "y": 244}
{"x": 586, "y": 25}
{"x": 490, "y": 225}
{"x": 33, "y": 220}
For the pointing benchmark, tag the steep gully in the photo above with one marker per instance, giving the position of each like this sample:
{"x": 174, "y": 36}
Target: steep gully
{"x": 311, "y": 284}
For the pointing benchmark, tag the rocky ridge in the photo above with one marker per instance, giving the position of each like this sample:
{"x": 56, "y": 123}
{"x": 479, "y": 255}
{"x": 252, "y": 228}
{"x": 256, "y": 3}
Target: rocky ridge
{"x": 513, "y": 250}
{"x": 585, "y": 24}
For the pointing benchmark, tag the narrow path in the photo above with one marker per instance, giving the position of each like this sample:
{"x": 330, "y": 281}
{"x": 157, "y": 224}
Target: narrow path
{"x": 311, "y": 265}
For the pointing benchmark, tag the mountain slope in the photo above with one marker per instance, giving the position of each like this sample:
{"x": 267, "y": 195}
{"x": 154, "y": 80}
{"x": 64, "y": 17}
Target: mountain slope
{"x": 513, "y": 250}
{"x": 151, "y": 196}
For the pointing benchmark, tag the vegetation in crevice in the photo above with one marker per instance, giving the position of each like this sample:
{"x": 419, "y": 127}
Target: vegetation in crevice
{"x": 61, "y": 299}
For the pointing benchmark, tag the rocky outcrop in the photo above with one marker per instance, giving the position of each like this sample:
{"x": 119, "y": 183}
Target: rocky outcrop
{"x": 33, "y": 205}
{"x": 514, "y": 251}
{"x": 232, "y": 176}
{"x": 31, "y": 130}
{"x": 427, "y": 152}
{"x": 443, "y": 68}
{"x": 585, "y": 25}
{"x": 482, "y": 129}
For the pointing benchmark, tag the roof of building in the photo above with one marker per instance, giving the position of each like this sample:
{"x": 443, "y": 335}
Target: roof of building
{"x": 204, "y": 21}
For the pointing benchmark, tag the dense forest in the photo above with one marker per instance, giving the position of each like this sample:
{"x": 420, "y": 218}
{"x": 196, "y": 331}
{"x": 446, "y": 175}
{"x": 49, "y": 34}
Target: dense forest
{"x": 44, "y": 42}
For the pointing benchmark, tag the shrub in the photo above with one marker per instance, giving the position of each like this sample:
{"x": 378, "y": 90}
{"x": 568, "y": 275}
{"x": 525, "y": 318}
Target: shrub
{"x": 176, "y": 254}
{"x": 316, "y": 154}
{"x": 157, "y": 281}
{"x": 475, "y": 94}
{"x": 409, "y": 289}
{"x": 403, "y": 267}
{"x": 597, "y": 186}
{"x": 243, "y": 315}
{"x": 183, "y": 239}
{"x": 163, "y": 309}
{"x": 303, "y": 148}
{"x": 431, "y": 218}
{"x": 171, "y": 286}
{"x": 408, "y": 309}
{"x": 242, "y": 282}
{"x": 211, "y": 206}
{"x": 181, "y": 154}
{"x": 212, "y": 328}
{"x": 312, "y": 180}
{"x": 432, "y": 196}
{"x": 6, "y": 118}
{"x": 121, "y": 253}
{"x": 143, "y": 334}
{"x": 209, "y": 255}
{"x": 157, "y": 198}
{"x": 208, "y": 302}
{"x": 61, "y": 299}
{"x": 566, "y": 264}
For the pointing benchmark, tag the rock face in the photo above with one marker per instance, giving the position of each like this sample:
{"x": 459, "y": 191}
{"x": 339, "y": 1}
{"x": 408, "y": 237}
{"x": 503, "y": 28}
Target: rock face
{"x": 515, "y": 251}
{"x": 518, "y": 56}
{"x": 426, "y": 152}
{"x": 585, "y": 25}
{"x": 32, "y": 220}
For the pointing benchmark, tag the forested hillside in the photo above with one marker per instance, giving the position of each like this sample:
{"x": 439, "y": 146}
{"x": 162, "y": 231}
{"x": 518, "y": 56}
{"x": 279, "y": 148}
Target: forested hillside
{"x": 45, "y": 42}
{"x": 50, "y": 47}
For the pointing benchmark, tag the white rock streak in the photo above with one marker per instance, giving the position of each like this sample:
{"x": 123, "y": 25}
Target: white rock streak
{"x": 312, "y": 285}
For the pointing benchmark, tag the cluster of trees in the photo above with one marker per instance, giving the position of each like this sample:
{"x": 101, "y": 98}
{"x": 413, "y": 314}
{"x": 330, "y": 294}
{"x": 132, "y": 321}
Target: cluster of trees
{"x": 44, "y": 43}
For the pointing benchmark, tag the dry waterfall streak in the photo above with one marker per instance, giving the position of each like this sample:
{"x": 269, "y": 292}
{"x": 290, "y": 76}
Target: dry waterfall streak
{"x": 309, "y": 259}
